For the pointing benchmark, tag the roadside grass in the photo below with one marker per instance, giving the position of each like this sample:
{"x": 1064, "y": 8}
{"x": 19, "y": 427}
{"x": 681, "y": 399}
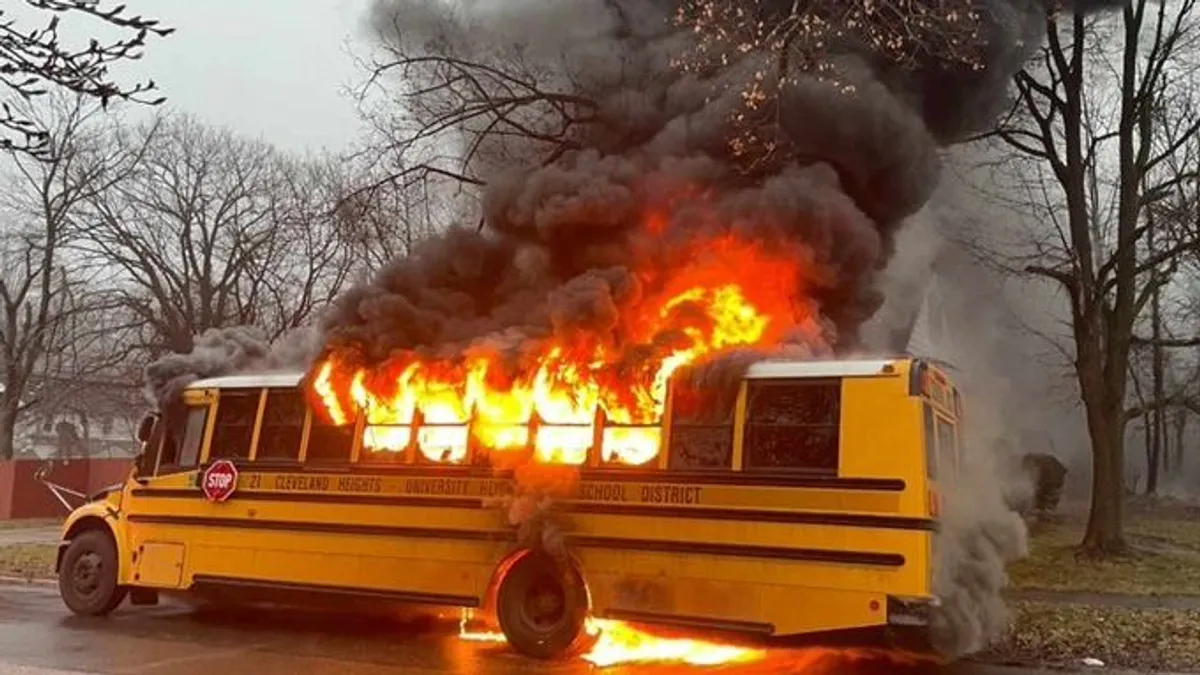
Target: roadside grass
{"x": 28, "y": 561}
{"x": 1165, "y": 560}
{"x": 1136, "y": 639}
{"x": 21, "y": 523}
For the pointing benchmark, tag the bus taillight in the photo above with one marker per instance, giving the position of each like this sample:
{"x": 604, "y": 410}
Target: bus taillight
{"x": 935, "y": 503}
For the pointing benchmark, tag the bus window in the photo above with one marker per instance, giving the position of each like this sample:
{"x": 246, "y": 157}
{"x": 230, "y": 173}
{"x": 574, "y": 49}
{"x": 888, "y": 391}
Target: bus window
{"x": 282, "y": 426}
{"x": 947, "y": 441}
{"x": 234, "y": 427}
{"x": 172, "y": 436}
{"x": 193, "y": 437}
{"x": 701, "y": 426}
{"x": 328, "y": 443}
{"x": 931, "y": 450}
{"x": 182, "y": 438}
{"x": 793, "y": 425}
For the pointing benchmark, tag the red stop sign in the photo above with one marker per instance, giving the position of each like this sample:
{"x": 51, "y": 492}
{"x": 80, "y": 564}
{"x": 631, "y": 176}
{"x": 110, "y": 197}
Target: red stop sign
{"x": 219, "y": 480}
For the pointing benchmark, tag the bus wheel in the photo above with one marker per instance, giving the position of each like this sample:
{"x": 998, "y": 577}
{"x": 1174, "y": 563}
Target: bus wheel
{"x": 87, "y": 576}
{"x": 542, "y": 605}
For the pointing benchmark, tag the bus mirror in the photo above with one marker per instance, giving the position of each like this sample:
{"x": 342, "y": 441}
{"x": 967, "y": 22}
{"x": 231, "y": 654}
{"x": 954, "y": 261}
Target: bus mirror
{"x": 145, "y": 427}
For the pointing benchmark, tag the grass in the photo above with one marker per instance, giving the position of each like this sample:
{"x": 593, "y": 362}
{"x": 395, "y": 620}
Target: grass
{"x": 28, "y": 561}
{"x": 1138, "y": 639}
{"x": 29, "y": 522}
{"x": 1165, "y": 560}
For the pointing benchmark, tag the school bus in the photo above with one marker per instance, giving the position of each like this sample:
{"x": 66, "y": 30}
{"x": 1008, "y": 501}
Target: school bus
{"x": 800, "y": 502}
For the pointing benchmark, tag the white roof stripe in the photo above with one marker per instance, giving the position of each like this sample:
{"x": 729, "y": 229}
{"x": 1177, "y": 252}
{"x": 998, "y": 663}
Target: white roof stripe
{"x": 787, "y": 369}
{"x": 249, "y": 381}
{"x": 757, "y": 371}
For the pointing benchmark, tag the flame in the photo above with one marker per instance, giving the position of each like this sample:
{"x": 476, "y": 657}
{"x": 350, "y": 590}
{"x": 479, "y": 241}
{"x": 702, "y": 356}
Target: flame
{"x": 465, "y": 633}
{"x": 576, "y": 390}
{"x": 616, "y": 642}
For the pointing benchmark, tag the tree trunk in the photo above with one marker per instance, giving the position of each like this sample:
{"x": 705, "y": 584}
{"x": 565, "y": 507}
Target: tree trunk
{"x": 8, "y": 419}
{"x": 1148, "y": 442}
{"x": 1104, "y": 529}
{"x": 1180, "y": 433}
{"x": 1104, "y": 406}
{"x": 1158, "y": 437}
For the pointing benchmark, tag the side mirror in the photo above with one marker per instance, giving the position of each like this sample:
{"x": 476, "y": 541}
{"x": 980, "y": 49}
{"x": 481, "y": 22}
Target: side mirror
{"x": 146, "y": 427}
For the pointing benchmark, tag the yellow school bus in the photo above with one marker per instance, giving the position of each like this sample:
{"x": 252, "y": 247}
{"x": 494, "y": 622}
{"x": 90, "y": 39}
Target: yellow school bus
{"x": 801, "y": 501}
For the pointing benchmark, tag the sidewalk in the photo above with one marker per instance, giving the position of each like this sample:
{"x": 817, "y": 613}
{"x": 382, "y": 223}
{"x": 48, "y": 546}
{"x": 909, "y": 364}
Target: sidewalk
{"x": 44, "y": 534}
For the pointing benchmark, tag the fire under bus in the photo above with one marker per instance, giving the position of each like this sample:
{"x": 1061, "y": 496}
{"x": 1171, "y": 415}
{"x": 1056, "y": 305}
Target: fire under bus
{"x": 800, "y": 502}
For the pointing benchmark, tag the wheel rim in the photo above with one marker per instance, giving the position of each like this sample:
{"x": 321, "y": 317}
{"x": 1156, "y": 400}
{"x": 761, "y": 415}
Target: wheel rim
{"x": 544, "y": 605}
{"x": 87, "y": 574}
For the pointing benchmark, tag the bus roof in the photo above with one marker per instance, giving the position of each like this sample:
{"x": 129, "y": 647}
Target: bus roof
{"x": 253, "y": 381}
{"x": 766, "y": 370}
{"x": 763, "y": 370}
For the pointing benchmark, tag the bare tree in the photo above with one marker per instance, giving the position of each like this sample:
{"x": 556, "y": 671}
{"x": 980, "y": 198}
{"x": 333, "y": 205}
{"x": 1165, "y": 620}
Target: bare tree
{"x": 213, "y": 230}
{"x": 441, "y": 107}
{"x": 33, "y": 61}
{"x": 56, "y": 322}
{"x": 1096, "y": 84}
{"x": 388, "y": 220}
{"x": 443, "y": 102}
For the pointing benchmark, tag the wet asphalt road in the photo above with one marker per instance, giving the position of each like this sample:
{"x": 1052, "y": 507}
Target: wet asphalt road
{"x": 39, "y": 637}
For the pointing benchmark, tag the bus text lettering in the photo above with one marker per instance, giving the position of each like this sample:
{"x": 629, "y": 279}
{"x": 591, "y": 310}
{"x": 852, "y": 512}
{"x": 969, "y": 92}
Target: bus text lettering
{"x": 602, "y": 492}
{"x": 360, "y": 484}
{"x": 670, "y": 494}
{"x": 302, "y": 483}
{"x": 436, "y": 486}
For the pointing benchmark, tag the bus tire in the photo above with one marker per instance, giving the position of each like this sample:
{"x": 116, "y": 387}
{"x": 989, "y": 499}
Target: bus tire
{"x": 87, "y": 577}
{"x": 542, "y": 605}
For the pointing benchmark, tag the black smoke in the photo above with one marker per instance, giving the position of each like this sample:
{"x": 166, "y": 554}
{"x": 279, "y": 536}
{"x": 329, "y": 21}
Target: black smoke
{"x": 226, "y": 351}
{"x": 857, "y": 152}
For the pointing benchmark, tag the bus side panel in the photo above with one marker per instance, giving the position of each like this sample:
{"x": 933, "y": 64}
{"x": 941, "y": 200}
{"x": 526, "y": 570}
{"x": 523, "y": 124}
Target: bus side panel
{"x": 738, "y": 594}
{"x": 325, "y": 544}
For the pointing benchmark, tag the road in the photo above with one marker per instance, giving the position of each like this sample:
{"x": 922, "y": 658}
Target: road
{"x": 39, "y": 637}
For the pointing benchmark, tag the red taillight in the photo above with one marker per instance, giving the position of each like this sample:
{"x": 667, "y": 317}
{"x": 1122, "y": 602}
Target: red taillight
{"x": 935, "y": 503}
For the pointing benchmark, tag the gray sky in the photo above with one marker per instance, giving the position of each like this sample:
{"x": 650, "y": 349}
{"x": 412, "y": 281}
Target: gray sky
{"x": 269, "y": 68}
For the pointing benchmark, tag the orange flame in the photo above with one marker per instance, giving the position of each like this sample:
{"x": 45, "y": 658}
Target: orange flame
{"x": 578, "y": 389}
{"x": 616, "y": 643}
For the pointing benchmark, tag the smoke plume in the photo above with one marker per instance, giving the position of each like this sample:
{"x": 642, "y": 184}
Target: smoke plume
{"x": 225, "y": 351}
{"x": 856, "y": 153}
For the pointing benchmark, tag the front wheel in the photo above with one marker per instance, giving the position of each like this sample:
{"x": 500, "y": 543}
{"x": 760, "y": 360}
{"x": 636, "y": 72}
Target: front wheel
{"x": 87, "y": 576}
{"x": 541, "y": 606}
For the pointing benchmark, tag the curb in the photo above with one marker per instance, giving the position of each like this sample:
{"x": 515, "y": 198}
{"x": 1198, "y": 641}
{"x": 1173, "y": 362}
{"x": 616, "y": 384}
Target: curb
{"x": 7, "y": 580}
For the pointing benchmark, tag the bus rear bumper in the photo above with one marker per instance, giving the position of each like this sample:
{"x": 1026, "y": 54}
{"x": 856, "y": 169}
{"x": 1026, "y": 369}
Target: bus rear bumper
{"x": 910, "y": 612}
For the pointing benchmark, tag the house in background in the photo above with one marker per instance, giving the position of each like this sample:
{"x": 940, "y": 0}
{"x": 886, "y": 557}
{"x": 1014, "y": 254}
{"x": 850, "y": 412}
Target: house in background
{"x": 71, "y": 419}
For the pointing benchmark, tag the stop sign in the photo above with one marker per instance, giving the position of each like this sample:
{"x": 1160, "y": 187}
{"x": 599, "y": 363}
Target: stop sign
{"x": 219, "y": 480}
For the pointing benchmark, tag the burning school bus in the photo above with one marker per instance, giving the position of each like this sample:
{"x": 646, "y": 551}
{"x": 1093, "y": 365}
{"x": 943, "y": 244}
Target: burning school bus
{"x": 800, "y": 501}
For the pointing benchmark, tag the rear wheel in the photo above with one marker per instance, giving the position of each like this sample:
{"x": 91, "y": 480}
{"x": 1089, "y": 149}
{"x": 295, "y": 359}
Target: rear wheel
{"x": 541, "y": 606}
{"x": 87, "y": 576}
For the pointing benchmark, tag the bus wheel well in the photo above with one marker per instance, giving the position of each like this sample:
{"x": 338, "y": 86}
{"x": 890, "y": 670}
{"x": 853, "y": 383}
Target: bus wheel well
{"x": 85, "y": 524}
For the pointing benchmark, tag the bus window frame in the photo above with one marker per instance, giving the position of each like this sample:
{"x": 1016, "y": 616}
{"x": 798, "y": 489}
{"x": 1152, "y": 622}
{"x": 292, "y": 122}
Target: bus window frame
{"x": 219, "y": 397}
{"x": 260, "y": 426}
{"x": 930, "y": 438}
{"x": 179, "y": 466}
{"x": 668, "y": 431}
{"x": 355, "y": 428}
{"x": 940, "y": 421}
{"x": 744, "y": 425}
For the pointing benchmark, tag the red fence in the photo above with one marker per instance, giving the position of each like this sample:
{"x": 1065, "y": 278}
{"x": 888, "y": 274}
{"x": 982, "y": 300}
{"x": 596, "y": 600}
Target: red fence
{"x": 22, "y": 495}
